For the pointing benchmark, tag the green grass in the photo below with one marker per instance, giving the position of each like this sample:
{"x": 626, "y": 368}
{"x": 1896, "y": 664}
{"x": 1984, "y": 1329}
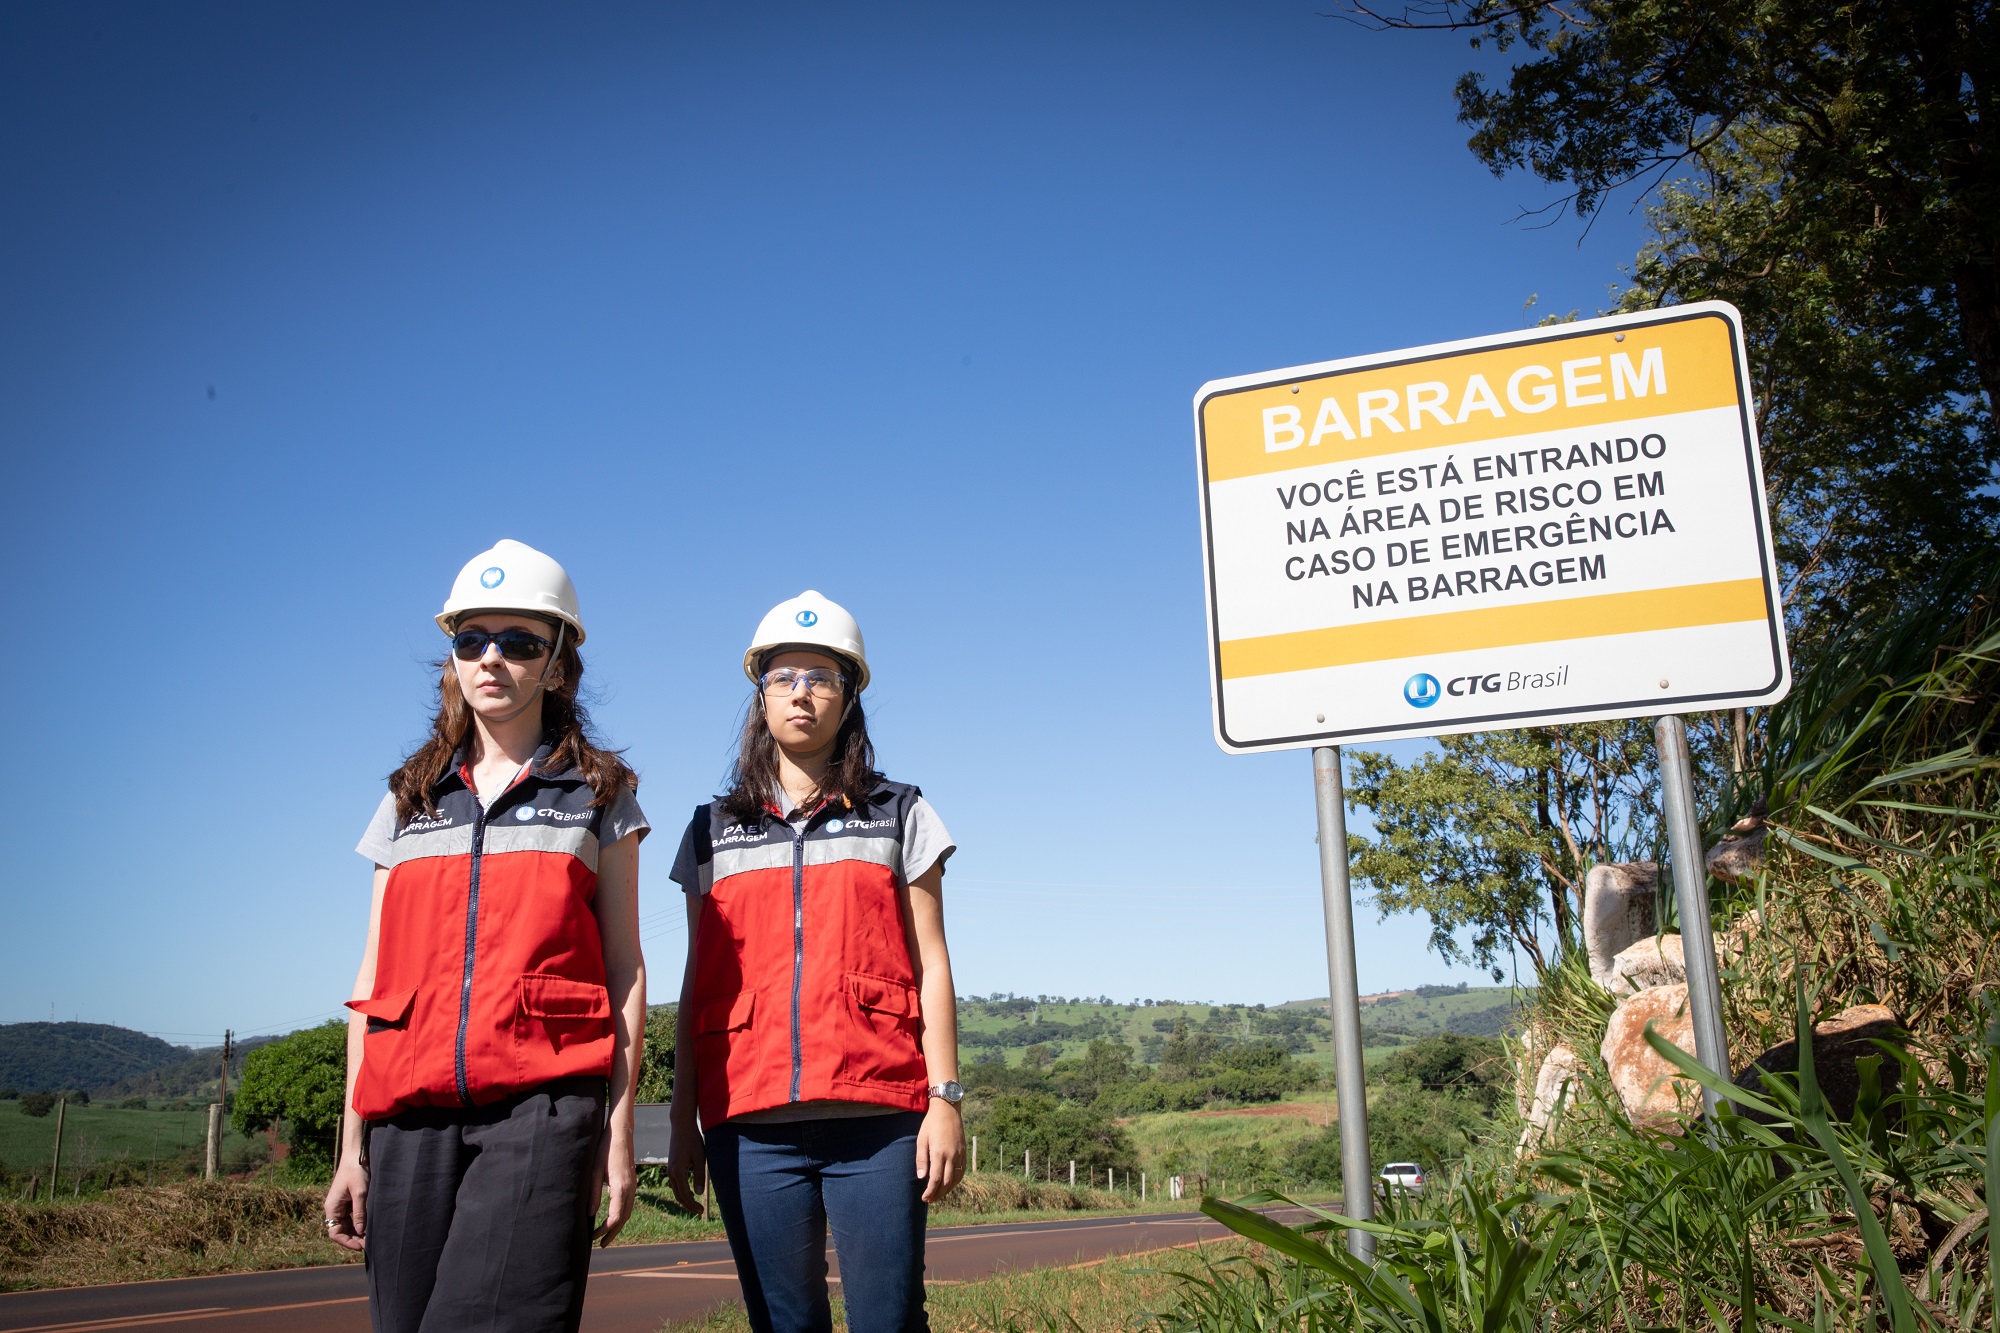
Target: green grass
{"x": 94, "y": 1135}
{"x": 656, "y": 1218}
{"x": 1105, "y": 1297}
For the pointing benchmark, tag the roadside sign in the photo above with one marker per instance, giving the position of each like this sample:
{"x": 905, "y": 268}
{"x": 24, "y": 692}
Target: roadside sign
{"x": 1556, "y": 525}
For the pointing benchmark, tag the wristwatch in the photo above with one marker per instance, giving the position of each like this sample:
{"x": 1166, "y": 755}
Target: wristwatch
{"x": 949, "y": 1090}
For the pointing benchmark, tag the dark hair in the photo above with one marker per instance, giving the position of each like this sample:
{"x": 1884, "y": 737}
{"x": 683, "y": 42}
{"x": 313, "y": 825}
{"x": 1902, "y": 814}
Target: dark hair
{"x": 850, "y": 776}
{"x": 565, "y": 727}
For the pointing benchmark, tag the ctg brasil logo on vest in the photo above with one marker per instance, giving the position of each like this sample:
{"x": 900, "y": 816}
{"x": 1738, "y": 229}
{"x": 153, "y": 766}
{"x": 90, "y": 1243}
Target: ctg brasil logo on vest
{"x": 1421, "y": 690}
{"x": 807, "y": 618}
{"x": 493, "y": 578}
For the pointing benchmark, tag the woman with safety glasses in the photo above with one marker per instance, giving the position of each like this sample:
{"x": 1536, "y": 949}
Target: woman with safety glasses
{"x": 500, "y": 1006}
{"x": 818, "y": 1037}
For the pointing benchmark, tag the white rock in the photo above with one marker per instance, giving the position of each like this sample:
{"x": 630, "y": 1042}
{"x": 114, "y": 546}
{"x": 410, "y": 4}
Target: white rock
{"x": 1649, "y": 963}
{"x": 1617, "y": 911}
{"x": 1560, "y": 1079}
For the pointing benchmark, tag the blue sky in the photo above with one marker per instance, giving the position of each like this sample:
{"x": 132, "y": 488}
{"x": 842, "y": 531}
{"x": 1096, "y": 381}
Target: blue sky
{"x": 307, "y": 304}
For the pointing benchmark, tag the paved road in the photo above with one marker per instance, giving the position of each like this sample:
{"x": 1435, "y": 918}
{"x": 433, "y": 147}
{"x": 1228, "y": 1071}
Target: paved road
{"x": 633, "y": 1287}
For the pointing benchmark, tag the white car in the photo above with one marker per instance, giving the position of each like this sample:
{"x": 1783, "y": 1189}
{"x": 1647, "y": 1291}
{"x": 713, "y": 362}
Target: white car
{"x": 1405, "y": 1176}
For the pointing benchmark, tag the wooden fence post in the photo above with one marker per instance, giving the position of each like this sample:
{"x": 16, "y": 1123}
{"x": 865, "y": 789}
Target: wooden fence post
{"x": 55, "y": 1168}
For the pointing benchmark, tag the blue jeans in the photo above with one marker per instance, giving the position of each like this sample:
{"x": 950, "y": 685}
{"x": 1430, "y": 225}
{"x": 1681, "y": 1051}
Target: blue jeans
{"x": 779, "y": 1185}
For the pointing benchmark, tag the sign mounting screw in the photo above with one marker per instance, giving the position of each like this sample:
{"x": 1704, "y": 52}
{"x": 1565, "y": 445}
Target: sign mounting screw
{"x": 1663, "y": 682}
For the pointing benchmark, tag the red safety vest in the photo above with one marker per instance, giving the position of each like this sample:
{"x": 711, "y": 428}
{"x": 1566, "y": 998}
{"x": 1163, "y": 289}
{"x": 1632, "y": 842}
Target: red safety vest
{"x": 489, "y": 968}
{"x": 803, "y": 985}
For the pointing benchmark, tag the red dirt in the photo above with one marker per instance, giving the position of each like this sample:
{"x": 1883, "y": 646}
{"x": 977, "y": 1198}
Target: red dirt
{"x": 1319, "y": 1111}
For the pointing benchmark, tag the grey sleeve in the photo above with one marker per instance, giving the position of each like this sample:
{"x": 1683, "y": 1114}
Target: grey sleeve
{"x": 621, "y": 817}
{"x": 378, "y": 844}
{"x": 690, "y": 872}
{"x": 926, "y": 841}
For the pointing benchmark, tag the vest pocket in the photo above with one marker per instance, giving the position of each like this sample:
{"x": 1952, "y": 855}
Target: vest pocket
{"x": 388, "y": 1052}
{"x": 883, "y": 1018}
{"x": 725, "y": 1014}
{"x": 562, "y": 1011}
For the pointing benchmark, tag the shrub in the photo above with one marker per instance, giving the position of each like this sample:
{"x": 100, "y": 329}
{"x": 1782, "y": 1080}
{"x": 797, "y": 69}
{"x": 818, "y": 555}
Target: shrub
{"x": 299, "y": 1083}
{"x": 1476, "y": 1068}
{"x": 656, "y": 1066}
{"x": 1053, "y": 1131}
{"x": 38, "y": 1103}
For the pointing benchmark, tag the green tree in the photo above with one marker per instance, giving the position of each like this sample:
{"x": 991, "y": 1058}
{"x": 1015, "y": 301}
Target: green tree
{"x": 656, "y": 1065}
{"x": 1474, "y": 1068}
{"x": 1186, "y": 1053}
{"x": 1102, "y": 1065}
{"x": 300, "y": 1080}
{"x": 1833, "y": 171}
{"x": 1491, "y": 834}
{"x": 1054, "y": 1131}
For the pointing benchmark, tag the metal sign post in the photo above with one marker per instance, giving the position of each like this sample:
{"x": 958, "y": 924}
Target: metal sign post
{"x": 1690, "y": 870}
{"x": 1357, "y": 1181}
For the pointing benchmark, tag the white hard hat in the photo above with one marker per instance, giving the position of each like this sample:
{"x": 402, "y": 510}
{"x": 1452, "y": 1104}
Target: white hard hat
{"x": 511, "y": 576}
{"x": 809, "y": 621}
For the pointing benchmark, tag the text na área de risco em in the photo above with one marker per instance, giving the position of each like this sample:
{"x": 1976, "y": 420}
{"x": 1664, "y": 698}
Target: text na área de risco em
{"x": 1532, "y": 506}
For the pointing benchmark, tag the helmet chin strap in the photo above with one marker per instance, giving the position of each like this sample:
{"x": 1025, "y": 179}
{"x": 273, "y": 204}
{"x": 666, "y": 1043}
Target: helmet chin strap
{"x": 540, "y": 680}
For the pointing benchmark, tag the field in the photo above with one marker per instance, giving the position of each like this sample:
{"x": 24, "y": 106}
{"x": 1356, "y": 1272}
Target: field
{"x": 1008, "y": 1026}
{"x": 95, "y": 1135}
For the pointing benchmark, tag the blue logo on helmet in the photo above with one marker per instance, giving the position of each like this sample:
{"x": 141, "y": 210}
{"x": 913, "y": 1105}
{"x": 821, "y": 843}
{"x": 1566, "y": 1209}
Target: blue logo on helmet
{"x": 1421, "y": 690}
{"x": 493, "y": 577}
{"x": 807, "y": 618}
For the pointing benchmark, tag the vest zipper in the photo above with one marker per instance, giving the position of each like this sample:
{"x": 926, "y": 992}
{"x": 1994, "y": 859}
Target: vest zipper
{"x": 471, "y": 946}
{"x": 798, "y": 945}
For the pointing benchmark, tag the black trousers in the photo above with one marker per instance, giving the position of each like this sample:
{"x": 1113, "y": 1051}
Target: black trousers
{"x": 481, "y": 1219}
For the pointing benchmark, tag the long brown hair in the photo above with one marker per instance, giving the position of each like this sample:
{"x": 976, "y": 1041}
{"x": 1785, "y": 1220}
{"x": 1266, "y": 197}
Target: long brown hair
{"x": 565, "y": 728}
{"x": 850, "y": 777}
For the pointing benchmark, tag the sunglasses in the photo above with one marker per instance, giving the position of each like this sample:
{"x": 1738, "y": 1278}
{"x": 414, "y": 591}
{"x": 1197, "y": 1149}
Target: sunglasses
{"x": 516, "y": 645}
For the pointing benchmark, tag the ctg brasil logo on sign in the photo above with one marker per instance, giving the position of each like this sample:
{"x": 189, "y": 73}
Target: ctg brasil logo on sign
{"x": 1421, "y": 690}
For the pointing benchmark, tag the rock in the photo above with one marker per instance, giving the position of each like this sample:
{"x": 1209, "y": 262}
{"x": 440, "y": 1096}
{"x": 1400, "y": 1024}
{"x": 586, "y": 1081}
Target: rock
{"x": 1559, "y": 1079}
{"x": 1651, "y": 1089}
{"x": 1739, "y": 856}
{"x": 1649, "y": 963}
{"x": 1617, "y": 911}
{"x": 1838, "y": 1043}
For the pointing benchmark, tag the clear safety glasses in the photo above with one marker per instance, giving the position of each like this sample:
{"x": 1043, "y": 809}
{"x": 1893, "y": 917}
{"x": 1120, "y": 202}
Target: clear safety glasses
{"x": 822, "y": 683}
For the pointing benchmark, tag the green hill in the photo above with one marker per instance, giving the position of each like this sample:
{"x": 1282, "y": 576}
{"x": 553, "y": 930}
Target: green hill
{"x": 1007, "y": 1025}
{"x": 1474, "y": 1011}
{"x": 48, "y": 1057}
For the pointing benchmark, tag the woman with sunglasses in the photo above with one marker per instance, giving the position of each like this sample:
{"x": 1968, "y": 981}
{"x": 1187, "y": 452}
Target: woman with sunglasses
{"x": 500, "y": 1006}
{"x": 817, "y": 1043}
